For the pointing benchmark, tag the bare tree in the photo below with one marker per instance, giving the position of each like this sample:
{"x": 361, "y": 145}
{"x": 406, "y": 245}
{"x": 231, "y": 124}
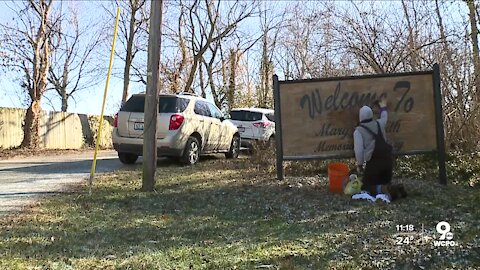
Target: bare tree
{"x": 376, "y": 36}
{"x": 222, "y": 64}
{"x": 307, "y": 43}
{"x": 72, "y": 67}
{"x": 212, "y": 71}
{"x": 133, "y": 33}
{"x": 269, "y": 22}
{"x": 176, "y": 68}
{"x": 232, "y": 82}
{"x": 207, "y": 25}
{"x": 455, "y": 91}
{"x": 412, "y": 27}
{"x": 27, "y": 46}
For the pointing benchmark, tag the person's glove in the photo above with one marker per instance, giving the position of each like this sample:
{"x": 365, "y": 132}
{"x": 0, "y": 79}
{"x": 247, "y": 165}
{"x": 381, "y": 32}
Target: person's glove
{"x": 383, "y": 102}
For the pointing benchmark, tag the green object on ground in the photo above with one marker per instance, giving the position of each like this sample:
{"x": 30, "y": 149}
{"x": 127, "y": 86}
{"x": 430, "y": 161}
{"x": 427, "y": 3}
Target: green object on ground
{"x": 353, "y": 186}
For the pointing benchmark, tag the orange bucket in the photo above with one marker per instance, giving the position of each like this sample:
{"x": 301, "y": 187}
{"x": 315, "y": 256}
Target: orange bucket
{"x": 337, "y": 175}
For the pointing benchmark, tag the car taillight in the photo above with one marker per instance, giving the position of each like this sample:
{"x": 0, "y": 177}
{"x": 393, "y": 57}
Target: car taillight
{"x": 261, "y": 124}
{"x": 176, "y": 121}
{"x": 115, "y": 120}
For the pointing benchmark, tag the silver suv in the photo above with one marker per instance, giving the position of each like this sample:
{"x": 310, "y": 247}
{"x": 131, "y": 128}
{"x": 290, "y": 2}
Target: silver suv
{"x": 254, "y": 125}
{"x": 187, "y": 127}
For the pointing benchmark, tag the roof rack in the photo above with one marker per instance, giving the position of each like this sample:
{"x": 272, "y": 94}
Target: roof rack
{"x": 187, "y": 94}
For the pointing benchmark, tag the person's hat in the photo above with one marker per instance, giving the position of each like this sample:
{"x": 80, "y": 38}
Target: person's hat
{"x": 365, "y": 113}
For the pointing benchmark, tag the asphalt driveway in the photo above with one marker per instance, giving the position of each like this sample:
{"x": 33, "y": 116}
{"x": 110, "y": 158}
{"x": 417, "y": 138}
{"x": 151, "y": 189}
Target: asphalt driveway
{"x": 23, "y": 180}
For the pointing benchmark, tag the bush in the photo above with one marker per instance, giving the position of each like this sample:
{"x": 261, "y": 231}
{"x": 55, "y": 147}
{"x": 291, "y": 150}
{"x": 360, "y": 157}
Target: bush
{"x": 265, "y": 159}
{"x": 106, "y": 135}
{"x": 462, "y": 169}
{"x": 417, "y": 166}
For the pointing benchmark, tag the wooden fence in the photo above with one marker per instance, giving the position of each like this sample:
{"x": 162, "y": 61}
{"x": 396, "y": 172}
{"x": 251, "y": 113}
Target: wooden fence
{"x": 58, "y": 130}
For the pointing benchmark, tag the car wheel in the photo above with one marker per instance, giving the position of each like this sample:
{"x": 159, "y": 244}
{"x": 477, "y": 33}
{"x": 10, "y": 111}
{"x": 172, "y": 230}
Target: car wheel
{"x": 127, "y": 158}
{"x": 191, "y": 153}
{"x": 234, "y": 148}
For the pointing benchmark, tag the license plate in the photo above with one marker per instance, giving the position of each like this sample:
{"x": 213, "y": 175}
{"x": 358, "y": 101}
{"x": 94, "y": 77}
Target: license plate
{"x": 138, "y": 126}
{"x": 241, "y": 129}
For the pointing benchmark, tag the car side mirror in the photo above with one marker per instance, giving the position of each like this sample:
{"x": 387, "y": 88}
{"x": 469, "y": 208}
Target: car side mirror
{"x": 222, "y": 118}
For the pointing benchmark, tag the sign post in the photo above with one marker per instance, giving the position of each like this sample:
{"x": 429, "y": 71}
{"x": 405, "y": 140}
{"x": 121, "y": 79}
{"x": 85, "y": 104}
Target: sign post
{"x": 278, "y": 128}
{"x": 442, "y": 171}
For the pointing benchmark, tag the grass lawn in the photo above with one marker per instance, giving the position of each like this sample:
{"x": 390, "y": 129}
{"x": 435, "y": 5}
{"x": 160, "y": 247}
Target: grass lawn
{"x": 231, "y": 214}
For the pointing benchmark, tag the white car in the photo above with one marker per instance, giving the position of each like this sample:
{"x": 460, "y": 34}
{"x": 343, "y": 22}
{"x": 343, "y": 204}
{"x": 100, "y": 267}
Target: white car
{"x": 187, "y": 127}
{"x": 254, "y": 125}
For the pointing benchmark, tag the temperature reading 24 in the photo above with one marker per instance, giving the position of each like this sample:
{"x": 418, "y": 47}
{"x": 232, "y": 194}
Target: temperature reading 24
{"x": 404, "y": 240}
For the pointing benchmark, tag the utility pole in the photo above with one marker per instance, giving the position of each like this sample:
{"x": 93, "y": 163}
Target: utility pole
{"x": 151, "y": 97}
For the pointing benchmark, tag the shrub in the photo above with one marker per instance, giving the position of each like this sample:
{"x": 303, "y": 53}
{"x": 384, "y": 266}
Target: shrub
{"x": 265, "y": 159}
{"x": 462, "y": 168}
{"x": 106, "y": 136}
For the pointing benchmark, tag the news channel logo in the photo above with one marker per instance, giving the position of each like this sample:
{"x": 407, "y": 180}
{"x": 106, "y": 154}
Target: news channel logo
{"x": 446, "y": 236}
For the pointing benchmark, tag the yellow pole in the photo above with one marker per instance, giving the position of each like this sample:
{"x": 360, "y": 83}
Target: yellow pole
{"x": 99, "y": 131}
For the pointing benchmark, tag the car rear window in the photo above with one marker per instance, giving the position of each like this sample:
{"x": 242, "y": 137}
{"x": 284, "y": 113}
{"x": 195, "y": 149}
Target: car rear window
{"x": 270, "y": 116}
{"x": 166, "y": 104}
{"x": 134, "y": 104}
{"x": 245, "y": 116}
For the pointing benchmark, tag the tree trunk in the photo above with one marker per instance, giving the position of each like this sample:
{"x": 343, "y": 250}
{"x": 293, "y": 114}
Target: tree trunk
{"x": 474, "y": 35}
{"x": 129, "y": 58}
{"x": 41, "y": 66}
{"x": 183, "y": 62}
{"x": 263, "y": 73}
{"x": 64, "y": 101}
{"x": 449, "y": 83}
{"x": 232, "y": 80}
{"x": 31, "y": 127}
{"x": 211, "y": 83}
{"x": 411, "y": 38}
{"x": 202, "y": 81}
{"x": 193, "y": 70}
{"x": 126, "y": 78}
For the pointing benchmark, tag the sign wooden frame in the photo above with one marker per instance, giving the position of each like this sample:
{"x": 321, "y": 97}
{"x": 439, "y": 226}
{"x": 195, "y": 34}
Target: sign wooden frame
{"x": 292, "y": 152}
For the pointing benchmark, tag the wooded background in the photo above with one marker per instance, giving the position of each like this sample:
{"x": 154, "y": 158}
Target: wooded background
{"x": 229, "y": 50}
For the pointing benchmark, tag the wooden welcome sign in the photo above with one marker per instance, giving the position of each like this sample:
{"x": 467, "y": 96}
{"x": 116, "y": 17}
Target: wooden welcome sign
{"x": 316, "y": 118}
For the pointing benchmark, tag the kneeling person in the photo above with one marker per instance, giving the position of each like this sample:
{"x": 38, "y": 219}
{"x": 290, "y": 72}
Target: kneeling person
{"x": 374, "y": 156}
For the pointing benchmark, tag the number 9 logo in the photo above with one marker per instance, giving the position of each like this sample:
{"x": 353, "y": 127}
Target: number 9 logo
{"x": 443, "y": 228}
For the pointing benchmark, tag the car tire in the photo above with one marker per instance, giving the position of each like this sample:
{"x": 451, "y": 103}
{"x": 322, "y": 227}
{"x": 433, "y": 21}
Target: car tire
{"x": 234, "y": 147}
{"x": 127, "y": 158}
{"x": 191, "y": 154}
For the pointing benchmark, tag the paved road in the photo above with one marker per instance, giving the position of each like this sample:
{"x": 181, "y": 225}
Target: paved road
{"x": 22, "y": 180}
